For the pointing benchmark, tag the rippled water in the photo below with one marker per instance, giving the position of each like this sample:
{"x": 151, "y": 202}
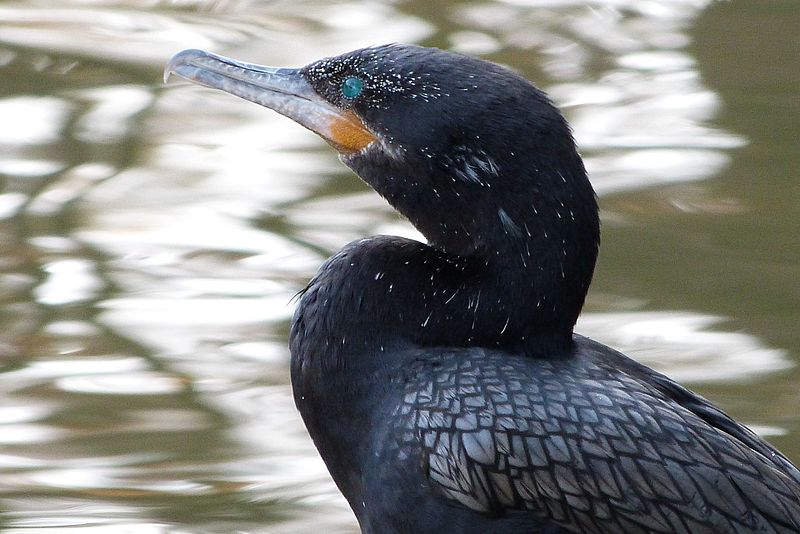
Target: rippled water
{"x": 153, "y": 237}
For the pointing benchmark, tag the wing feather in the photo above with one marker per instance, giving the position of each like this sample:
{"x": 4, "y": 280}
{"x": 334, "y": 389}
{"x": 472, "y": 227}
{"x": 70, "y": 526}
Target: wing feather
{"x": 592, "y": 445}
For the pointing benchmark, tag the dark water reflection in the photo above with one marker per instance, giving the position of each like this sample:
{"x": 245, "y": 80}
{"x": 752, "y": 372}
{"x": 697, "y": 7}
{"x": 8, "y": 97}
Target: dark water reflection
{"x": 153, "y": 237}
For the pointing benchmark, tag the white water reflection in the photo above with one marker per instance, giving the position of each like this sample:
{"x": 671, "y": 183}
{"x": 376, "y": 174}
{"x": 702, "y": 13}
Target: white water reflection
{"x": 25, "y": 434}
{"x": 28, "y": 167}
{"x": 28, "y": 120}
{"x": 131, "y": 33}
{"x": 72, "y": 516}
{"x": 19, "y": 414}
{"x": 68, "y": 281}
{"x": 10, "y": 203}
{"x": 68, "y": 187}
{"x": 130, "y": 384}
{"x": 682, "y": 345}
{"x": 44, "y": 371}
{"x": 109, "y": 118}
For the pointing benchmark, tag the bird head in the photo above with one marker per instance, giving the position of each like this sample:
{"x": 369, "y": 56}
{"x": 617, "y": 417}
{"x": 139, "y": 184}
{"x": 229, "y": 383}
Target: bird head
{"x": 468, "y": 150}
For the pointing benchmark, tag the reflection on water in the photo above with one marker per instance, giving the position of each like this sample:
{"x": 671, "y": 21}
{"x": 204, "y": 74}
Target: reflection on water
{"x": 682, "y": 344}
{"x": 153, "y": 239}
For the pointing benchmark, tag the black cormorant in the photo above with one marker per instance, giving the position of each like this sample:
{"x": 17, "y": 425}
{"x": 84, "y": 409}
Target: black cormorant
{"x": 442, "y": 382}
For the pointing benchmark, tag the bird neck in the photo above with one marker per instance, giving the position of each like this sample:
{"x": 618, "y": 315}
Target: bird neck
{"x": 511, "y": 248}
{"x": 383, "y": 294}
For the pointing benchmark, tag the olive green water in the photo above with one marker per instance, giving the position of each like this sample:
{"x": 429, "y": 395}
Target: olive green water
{"x": 152, "y": 238}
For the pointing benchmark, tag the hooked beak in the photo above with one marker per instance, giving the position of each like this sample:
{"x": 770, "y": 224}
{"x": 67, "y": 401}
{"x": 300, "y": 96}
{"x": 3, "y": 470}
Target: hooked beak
{"x": 283, "y": 90}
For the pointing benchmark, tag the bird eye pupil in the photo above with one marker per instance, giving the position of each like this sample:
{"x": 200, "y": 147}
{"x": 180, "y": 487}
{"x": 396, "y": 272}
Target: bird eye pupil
{"x": 352, "y": 87}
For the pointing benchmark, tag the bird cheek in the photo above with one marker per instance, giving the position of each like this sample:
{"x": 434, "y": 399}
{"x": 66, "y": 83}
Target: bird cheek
{"x": 348, "y": 134}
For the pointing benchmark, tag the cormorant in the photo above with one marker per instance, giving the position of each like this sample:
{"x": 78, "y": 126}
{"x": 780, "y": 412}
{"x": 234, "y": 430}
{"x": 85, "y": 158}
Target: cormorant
{"x": 442, "y": 382}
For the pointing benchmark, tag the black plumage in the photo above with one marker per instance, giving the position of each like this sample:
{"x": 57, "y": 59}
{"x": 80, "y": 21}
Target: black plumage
{"x": 441, "y": 381}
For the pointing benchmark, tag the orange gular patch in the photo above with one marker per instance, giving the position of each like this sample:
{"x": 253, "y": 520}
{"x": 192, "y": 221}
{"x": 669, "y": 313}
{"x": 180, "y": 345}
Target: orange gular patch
{"x": 348, "y": 134}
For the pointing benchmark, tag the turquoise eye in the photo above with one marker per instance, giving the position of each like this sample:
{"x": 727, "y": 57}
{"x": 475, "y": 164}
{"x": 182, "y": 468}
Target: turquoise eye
{"x": 351, "y": 87}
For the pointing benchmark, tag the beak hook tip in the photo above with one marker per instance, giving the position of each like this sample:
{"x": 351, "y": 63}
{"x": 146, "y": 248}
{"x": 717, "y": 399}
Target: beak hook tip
{"x": 184, "y": 57}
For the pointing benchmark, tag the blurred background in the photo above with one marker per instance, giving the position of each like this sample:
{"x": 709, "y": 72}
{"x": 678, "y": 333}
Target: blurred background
{"x": 152, "y": 237}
